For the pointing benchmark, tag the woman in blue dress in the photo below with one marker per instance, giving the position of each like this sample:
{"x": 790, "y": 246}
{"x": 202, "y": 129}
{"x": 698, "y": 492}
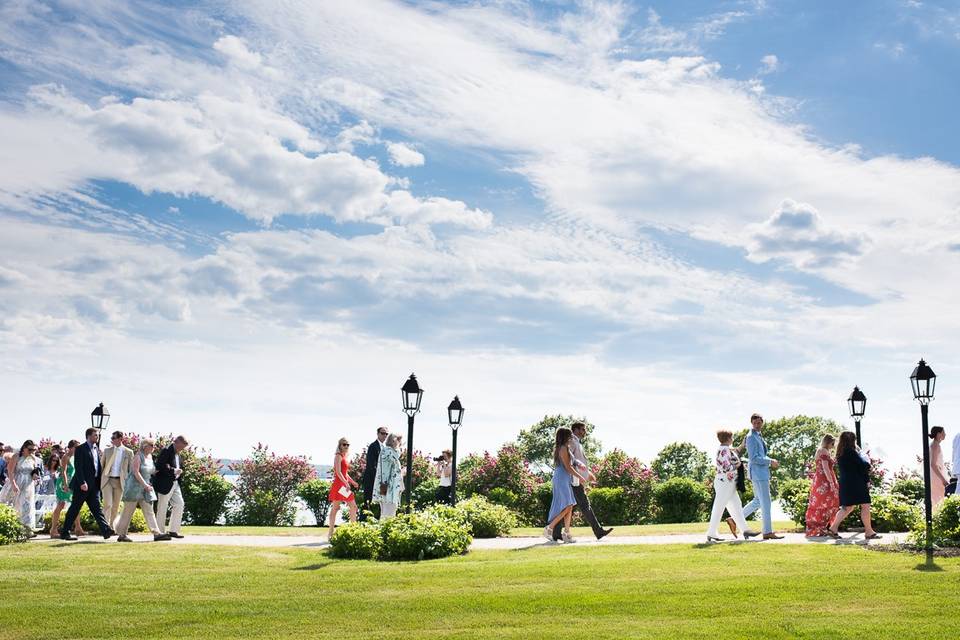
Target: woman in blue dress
{"x": 563, "y": 501}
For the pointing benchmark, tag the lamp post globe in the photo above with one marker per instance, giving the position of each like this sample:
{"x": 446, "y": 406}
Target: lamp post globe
{"x": 924, "y": 382}
{"x": 99, "y": 418}
{"x": 412, "y": 394}
{"x": 455, "y": 419}
{"x": 858, "y": 406}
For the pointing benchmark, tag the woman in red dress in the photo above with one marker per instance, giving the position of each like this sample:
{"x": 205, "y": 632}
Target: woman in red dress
{"x": 340, "y": 489}
{"x": 824, "y": 492}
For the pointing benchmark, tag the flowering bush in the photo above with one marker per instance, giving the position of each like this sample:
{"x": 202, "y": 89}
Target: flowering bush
{"x": 267, "y": 487}
{"x": 507, "y": 474}
{"x": 617, "y": 469}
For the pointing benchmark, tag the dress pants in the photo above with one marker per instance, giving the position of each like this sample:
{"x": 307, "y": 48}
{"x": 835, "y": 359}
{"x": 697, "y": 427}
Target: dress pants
{"x": 761, "y": 500}
{"x": 583, "y": 503}
{"x": 128, "y": 510}
{"x": 173, "y": 500}
{"x": 726, "y": 496}
{"x": 92, "y": 499}
{"x": 112, "y": 499}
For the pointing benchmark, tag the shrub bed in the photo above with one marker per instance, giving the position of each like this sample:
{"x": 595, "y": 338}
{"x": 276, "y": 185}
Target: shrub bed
{"x": 795, "y": 498}
{"x": 11, "y": 529}
{"x": 485, "y": 519}
{"x": 138, "y": 524}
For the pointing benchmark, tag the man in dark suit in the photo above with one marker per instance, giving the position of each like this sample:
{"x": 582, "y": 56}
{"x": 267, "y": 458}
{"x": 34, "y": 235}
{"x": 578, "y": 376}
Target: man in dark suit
{"x": 166, "y": 482}
{"x": 86, "y": 487}
{"x": 370, "y": 470}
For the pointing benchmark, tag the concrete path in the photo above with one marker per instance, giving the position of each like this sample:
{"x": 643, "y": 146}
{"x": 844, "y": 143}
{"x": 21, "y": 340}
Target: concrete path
{"x": 492, "y": 543}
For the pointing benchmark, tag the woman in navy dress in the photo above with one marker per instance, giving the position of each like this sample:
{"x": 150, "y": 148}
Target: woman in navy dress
{"x": 854, "y": 470}
{"x": 563, "y": 500}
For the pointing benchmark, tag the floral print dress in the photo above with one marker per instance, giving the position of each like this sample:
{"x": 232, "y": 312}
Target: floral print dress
{"x": 824, "y": 497}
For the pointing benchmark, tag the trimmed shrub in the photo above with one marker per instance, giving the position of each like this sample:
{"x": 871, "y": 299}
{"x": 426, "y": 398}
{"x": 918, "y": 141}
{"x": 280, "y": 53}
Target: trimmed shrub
{"x": 205, "y": 498}
{"x": 610, "y": 505}
{"x": 890, "y": 513}
{"x": 485, "y": 519}
{"x": 138, "y": 524}
{"x": 946, "y": 525}
{"x": 356, "y": 541}
{"x": 11, "y": 529}
{"x": 501, "y": 496}
{"x": 908, "y": 489}
{"x": 681, "y": 500}
{"x": 316, "y": 495}
{"x": 423, "y": 536}
{"x": 795, "y": 498}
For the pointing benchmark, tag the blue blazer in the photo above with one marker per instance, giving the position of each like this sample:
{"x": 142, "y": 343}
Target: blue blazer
{"x": 759, "y": 462}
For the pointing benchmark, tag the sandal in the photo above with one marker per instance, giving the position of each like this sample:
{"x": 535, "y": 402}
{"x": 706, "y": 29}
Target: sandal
{"x": 832, "y": 534}
{"x": 872, "y": 536}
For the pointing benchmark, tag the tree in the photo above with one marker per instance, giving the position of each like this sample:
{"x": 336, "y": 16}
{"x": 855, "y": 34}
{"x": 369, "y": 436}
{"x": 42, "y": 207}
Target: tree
{"x": 681, "y": 460}
{"x": 536, "y": 443}
{"x": 793, "y": 442}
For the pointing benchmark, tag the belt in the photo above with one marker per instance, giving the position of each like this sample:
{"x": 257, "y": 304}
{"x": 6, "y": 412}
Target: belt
{"x": 114, "y": 477}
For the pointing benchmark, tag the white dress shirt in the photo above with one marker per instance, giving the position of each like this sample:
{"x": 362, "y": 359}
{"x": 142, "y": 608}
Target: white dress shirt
{"x": 578, "y": 460}
{"x": 117, "y": 459}
{"x": 955, "y": 462}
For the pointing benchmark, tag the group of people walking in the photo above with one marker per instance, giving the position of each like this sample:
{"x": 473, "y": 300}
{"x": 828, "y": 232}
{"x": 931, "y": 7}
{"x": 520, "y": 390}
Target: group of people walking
{"x": 112, "y": 482}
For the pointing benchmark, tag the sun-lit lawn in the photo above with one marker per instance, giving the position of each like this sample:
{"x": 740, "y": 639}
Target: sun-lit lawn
{"x": 143, "y": 591}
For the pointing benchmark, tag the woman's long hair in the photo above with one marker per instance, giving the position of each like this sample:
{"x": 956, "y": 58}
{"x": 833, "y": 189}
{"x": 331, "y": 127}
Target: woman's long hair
{"x": 848, "y": 440}
{"x": 563, "y": 437}
{"x": 53, "y": 465}
{"x": 23, "y": 447}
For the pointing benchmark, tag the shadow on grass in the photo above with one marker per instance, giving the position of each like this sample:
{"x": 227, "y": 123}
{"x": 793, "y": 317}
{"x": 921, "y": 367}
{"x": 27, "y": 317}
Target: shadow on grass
{"x": 545, "y": 543}
{"x": 312, "y": 567}
{"x": 60, "y": 545}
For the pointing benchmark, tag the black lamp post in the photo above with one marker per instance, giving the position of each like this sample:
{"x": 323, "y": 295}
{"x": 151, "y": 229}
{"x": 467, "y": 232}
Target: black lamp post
{"x": 455, "y": 418}
{"x": 858, "y": 405}
{"x": 412, "y": 394}
{"x": 99, "y": 419}
{"x": 924, "y": 380}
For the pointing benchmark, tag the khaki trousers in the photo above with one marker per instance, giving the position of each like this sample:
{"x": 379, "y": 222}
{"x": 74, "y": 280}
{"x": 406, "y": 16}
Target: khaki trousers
{"x": 173, "y": 500}
{"x": 112, "y": 500}
{"x": 128, "y": 510}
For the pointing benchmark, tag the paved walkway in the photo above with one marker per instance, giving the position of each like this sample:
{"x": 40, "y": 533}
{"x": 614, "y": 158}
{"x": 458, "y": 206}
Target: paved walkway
{"x": 492, "y": 543}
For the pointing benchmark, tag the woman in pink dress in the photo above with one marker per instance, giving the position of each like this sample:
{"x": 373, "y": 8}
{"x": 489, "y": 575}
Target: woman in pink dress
{"x": 824, "y": 492}
{"x": 939, "y": 479}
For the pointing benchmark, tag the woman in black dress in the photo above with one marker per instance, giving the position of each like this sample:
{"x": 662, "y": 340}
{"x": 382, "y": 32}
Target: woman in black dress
{"x": 854, "y": 485}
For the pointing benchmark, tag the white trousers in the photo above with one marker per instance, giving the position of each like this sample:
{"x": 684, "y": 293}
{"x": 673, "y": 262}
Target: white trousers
{"x": 173, "y": 500}
{"x": 726, "y": 498}
{"x": 388, "y": 510}
{"x": 123, "y": 526}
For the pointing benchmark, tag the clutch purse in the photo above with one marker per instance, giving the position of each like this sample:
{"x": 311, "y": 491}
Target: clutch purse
{"x": 344, "y": 491}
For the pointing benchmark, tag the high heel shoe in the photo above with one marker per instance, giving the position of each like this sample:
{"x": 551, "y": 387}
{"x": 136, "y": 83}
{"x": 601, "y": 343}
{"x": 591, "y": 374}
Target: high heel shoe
{"x": 714, "y": 539}
{"x": 568, "y": 539}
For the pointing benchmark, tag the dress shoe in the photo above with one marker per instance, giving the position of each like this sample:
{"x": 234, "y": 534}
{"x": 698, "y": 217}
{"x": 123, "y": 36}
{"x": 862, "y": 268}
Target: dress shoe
{"x": 604, "y": 533}
{"x": 123, "y": 539}
{"x": 174, "y": 535}
{"x": 67, "y": 536}
{"x": 733, "y": 526}
{"x": 161, "y": 537}
{"x": 747, "y": 534}
{"x": 109, "y": 534}
{"x": 772, "y": 536}
{"x": 714, "y": 539}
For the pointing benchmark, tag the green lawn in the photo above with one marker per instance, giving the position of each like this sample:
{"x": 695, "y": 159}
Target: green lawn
{"x": 143, "y": 591}
{"x": 633, "y": 530}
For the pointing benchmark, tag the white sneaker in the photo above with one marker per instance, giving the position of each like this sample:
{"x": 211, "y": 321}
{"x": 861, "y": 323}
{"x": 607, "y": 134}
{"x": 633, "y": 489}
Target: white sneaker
{"x": 548, "y": 533}
{"x": 568, "y": 539}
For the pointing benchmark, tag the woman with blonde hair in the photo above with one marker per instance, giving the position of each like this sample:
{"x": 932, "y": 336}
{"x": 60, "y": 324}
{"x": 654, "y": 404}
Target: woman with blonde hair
{"x": 725, "y": 489}
{"x": 137, "y": 491}
{"x": 389, "y": 481}
{"x": 340, "y": 489}
{"x": 824, "y": 490}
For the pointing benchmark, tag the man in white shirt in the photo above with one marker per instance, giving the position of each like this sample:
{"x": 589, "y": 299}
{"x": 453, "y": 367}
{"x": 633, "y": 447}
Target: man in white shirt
{"x": 115, "y": 461}
{"x": 579, "y": 491}
{"x": 955, "y": 461}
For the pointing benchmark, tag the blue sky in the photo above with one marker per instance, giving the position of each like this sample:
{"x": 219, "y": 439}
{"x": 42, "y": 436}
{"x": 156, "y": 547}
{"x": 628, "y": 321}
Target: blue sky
{"x": 663, "y": 216}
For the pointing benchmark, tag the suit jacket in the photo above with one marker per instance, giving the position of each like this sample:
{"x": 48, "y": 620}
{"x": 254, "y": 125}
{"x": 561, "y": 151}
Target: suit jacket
{"x": 370, "y": 470}
{"x": 164, "y": 477}
{"x": 107, "y": 458}
{"x": 85, "y": 469}
{"x": 759, "y": 462}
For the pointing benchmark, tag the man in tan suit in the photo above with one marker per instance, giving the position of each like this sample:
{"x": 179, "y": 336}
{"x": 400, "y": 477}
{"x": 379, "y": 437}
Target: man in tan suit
{"x": 115, "y": 462}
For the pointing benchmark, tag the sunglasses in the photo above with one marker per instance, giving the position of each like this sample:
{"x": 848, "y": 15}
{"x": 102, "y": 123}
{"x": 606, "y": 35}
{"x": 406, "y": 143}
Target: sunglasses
{"x": 345, "y": 444}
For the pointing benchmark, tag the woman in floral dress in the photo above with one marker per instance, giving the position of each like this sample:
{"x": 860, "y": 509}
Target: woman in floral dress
{"x": 824, "y": 492}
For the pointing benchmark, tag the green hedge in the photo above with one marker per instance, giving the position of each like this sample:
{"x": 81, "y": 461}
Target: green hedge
{"x": 205, "y": 498}
{"x": 438, "y": 532}
{"x": 316, "y": 495}
{"x": 11, "y": 529}
{"x": 681, "y": 500}
{"x": 908, "y": 490}
{"x": 610, "y": 505}
{"x": 485, "y": 519}
{"x": 356, "y": 541}
{"x": 795, "y": 498}
{"x": 946, "y": 525}
{"x": 891, "y": 513}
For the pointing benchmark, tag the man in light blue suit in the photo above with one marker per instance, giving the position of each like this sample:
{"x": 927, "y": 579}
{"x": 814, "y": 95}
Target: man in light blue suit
{"x": 760, "y": 466}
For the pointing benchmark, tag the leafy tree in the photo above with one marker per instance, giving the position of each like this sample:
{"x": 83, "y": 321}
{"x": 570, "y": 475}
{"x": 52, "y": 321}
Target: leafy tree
{"x": 536, "y": 443}
{"x": 793, "y": 442}
{"x": 681, "y": 460}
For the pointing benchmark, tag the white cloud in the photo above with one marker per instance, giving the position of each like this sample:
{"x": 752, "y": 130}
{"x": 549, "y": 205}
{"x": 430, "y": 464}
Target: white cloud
{"x": 236, "y": 50}
{"x": 770, "y": 64}
{"x": 403, "y": 155}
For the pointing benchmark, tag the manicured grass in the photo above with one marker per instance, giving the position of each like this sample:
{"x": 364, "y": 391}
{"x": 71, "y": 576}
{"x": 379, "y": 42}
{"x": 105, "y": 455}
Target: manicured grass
{"x": 143, "y": 591}
{"x": 655, "y": 529}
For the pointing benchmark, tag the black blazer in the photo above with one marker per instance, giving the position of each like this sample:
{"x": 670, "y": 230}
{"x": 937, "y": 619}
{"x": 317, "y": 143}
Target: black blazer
{"x": 84, "y": 469}
{"x": 164, "y": 477}
{"x": 370, "y": 470}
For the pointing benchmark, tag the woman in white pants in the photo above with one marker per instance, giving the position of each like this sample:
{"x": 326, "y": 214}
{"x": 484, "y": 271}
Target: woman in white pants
{"x": 725, "y": 488}
{"x": 389, "y": 483}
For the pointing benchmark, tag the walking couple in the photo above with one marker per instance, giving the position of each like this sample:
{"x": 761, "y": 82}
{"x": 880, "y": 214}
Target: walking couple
{"x": 571, "y": 474}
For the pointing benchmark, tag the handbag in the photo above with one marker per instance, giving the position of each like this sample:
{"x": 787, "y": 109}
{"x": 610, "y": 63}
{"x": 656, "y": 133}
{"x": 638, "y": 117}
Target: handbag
{"x": 383, "y": 485}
